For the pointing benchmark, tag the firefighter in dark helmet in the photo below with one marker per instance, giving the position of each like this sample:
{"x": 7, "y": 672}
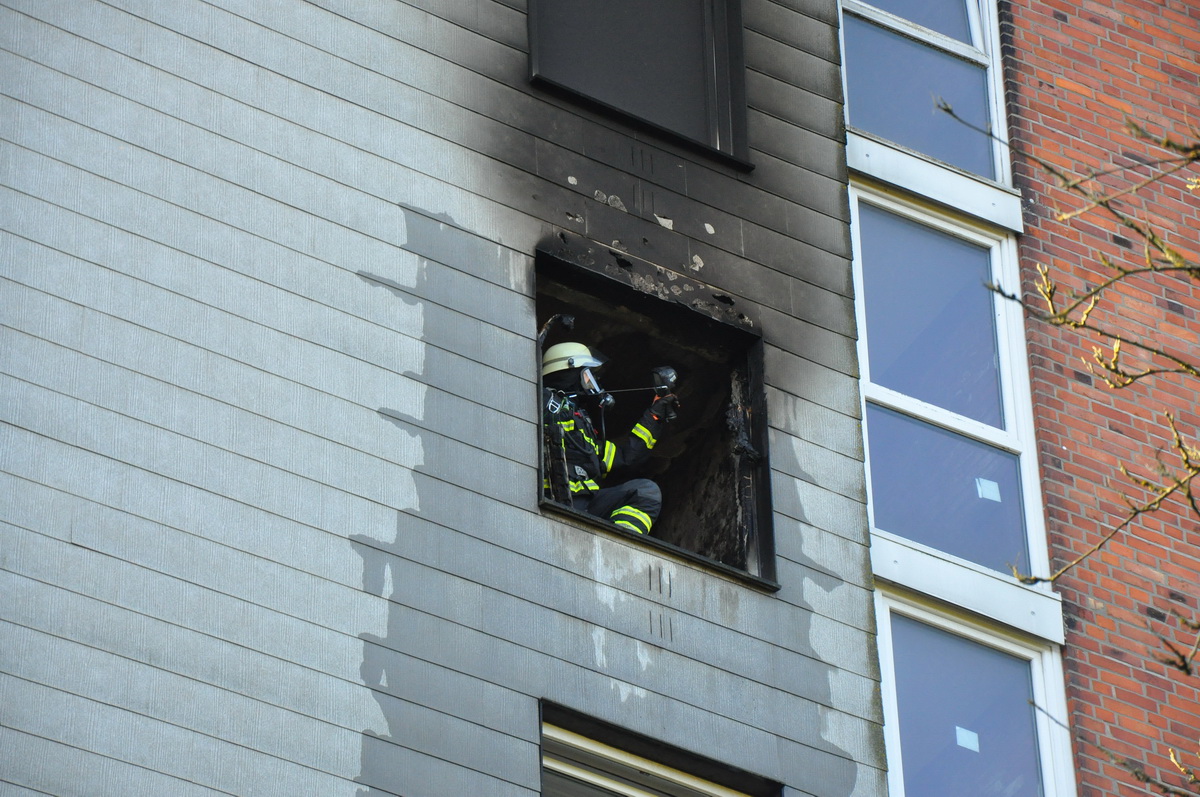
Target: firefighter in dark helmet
{"x": 579, "y": 459}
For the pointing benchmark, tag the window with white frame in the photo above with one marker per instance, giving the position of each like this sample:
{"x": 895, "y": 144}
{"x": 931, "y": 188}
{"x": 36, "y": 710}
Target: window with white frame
{"x": 903, "y": 57}
{"x": 941, "y": 376}
{"x": 969, "y": 708}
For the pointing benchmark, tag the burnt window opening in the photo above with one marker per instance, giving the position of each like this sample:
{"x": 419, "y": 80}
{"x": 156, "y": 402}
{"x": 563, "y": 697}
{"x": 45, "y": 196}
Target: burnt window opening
{"x": 711, "y": 461}
{"x": 675, "y": 65}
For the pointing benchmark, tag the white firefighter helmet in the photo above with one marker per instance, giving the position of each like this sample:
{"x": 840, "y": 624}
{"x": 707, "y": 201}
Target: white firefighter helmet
{"x": 563, "y": 356}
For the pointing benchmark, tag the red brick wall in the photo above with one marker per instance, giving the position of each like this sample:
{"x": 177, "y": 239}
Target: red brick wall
{"x": 1075, "y": 70}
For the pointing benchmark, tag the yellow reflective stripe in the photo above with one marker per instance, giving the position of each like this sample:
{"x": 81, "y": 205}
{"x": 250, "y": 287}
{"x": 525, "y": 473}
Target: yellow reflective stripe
{"x": 641, "y": 518}
{"x": 588, "y": 485}
{"x": 635, "y": 513}
{"x": 627, "y": 524}
{"x": 610, "y": 453}
{"x": 644, "y": 435}
{"x": 569, "y": 426}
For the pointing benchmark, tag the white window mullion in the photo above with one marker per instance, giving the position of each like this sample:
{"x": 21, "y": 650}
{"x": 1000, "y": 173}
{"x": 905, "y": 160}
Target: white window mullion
{"x": 909, "y": 565}
{"x": 999, "y": 438}
{"x": 889, "y": 164}
{"x": 989, "y": 39}
{"x": 1019, "y": 402}
{"x": 979, "y": 20}
{"x": 891, "y": 712}
{"x": 1058, "y": 760}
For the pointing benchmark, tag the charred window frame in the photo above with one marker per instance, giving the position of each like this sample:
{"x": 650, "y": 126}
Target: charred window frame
{"x": 712, "y": 463}
{"x": 586, "y": 757}
{"x": 675, "y": 65}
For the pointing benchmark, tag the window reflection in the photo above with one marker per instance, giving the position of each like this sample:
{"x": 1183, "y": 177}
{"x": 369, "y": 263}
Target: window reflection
{"x": 966, "y": 723}
{"x": 945, "y": 490}
{"x": 944, "y": 16}
{"x": 894, "y": 83}
{"x": 930, "y": 321}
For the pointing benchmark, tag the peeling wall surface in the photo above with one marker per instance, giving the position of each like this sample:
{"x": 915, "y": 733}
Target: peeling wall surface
{"x": 269, "y": 518}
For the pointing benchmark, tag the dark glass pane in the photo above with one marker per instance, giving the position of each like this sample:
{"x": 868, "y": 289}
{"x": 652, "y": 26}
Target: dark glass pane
{"x": 894, "y": 83}
{"x": 651, "y": 60}
{"x": 944, "y": 16}
{"x": 558, "y": 785}
{"x": 966, "y": 723}
{"x": 946, "y": 491}
{"x": 931, "y": 329}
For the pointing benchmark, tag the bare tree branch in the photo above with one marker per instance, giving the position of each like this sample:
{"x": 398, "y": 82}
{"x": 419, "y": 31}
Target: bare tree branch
{"x": 1138, "y": 771}
{"x": 1122, "y": 359}
{"x": 1184, "y": 661}
{"x": 1180, "y": 484}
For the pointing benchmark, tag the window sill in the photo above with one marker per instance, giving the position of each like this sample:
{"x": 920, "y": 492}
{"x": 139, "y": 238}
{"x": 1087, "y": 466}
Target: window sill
{"x": 981, "y": 198}
{"x": 997, "y": 596}
{"x": 594, "y": 524}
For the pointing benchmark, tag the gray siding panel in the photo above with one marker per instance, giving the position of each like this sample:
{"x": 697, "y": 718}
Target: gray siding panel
{"x": 268, "y": 425}
{"x": 816, "y": 423}
{"x": 783, "y": 61}
{"x": 152, "y": 394}
{"x": 812, "y": 504}
{"x": 314, "y": 703}
{"x": 290, "y": 734}
{"x": 318, "y": 65}
{"x": 811, "y": 463}
{"x": 808, "y": 379}
{"x": 814, "y": 36}
{"x": 253, "y": 349}
{"x": 487, "y": 18}
{"x": 294, "y": 592}
{"x": 130, "y": 736}
{"x": 51, "y": 767}
{"x": 834, "y": 556}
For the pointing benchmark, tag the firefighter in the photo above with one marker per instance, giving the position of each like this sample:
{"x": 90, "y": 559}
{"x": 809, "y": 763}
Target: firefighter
{"x": 586, "y": 459}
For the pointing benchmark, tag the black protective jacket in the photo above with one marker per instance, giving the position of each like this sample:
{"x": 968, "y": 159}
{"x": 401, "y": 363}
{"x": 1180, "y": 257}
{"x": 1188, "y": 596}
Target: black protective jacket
{"x": 588, "y": 460}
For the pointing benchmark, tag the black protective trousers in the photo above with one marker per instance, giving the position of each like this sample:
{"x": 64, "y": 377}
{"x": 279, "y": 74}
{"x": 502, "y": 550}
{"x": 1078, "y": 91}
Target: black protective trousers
{"x": 634, "y": 504}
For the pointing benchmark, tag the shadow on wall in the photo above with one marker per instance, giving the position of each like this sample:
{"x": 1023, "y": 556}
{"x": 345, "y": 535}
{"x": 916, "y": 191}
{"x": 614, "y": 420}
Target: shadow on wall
{"x": 430, "y": 670}
{"x": 414, "y": 668}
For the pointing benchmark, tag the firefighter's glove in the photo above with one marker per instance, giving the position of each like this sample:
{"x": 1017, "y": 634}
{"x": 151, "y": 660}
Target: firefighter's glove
{"x": 663, "y": 408}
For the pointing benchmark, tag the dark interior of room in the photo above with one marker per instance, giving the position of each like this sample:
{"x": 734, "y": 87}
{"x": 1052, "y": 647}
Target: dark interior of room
{"x": 709, "y": 461}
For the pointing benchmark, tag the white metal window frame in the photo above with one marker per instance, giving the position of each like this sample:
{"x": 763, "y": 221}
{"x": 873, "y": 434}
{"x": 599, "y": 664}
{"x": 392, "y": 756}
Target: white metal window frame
{"x": 994, "y": 201}
{"x": 1055, "y": 758}
{"x": 1035, "y": 609}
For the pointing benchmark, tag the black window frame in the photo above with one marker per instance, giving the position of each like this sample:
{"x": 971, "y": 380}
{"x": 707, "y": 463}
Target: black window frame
{"x": 639, "y": 287}
{"x": 652, "y": 750}
{"x": 724, "y": 84}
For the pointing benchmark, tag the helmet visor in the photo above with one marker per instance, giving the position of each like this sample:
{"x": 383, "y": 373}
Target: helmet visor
{"x": 590, "y": 384}
{"x": 593, "y": 359}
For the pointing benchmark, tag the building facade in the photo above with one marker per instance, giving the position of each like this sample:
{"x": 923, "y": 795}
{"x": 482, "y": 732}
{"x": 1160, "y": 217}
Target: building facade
{"x": 274, "y": 519}
{"x": 280, "y": 512}
{"x": 1077, "y": 74}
